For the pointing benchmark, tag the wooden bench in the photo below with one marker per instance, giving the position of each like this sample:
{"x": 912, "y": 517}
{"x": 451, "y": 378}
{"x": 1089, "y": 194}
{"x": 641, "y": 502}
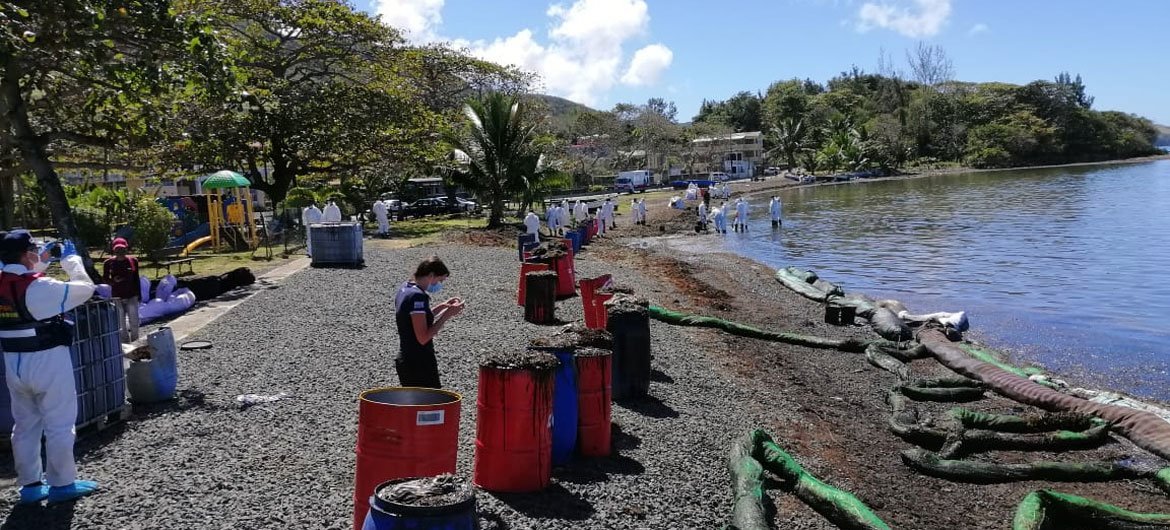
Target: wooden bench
{"x": 170, "y": 256}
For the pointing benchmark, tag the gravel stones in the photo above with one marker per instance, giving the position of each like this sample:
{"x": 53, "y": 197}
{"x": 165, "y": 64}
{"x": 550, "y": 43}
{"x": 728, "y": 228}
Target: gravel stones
{"x": 325, "y": 335}
{"x": 521, "y": 360}
{"x": 443, "y": 490}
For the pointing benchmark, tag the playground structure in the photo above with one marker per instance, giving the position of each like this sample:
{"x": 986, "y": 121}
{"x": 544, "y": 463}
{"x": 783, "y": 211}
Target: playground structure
{"x": 229, "y": 215}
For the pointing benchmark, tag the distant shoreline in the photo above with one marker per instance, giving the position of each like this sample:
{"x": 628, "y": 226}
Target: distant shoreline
{"x": 775, "y": 183}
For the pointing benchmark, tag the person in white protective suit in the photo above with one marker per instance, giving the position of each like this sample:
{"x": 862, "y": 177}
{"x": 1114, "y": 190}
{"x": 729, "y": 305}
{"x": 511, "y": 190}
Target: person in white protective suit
{"x": 720, "y": 216}
{"x": 702, "y": 217}
{"x": 532, "y": 224}
{"x": 552, "y": 219}
{"x": 381, "y": 214}
{"x": 741, "y": 215}
{"x": 692, "y": 192}
{"x": 580, "y": 212}
{"x": 774, "y": 211}
{"x": 311, "y": 216}
{"x": 332, "y": 213}
{"x": 642, "y": 211}
{"x": 563, "y": 210}
{"x": 602, "y": 218}
{"x": 724, "y": 191}
{"x": 39, "y": 367}
{"x": 634, "y": 211}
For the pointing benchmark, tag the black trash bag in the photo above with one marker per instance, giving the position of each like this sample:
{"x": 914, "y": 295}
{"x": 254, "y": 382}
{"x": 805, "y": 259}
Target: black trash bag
{"x": 886, "y": 324}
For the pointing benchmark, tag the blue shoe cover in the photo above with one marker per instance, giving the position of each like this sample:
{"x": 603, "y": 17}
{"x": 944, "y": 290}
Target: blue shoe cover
{"x": 77, "y": 490}
{"x": 33, "y": 494}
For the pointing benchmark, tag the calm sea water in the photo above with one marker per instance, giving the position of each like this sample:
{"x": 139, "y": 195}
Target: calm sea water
{"x": 1065, "y": 267}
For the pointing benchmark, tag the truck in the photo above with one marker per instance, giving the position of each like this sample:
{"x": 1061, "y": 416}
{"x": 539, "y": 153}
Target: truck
{"x": 631, "y": 181}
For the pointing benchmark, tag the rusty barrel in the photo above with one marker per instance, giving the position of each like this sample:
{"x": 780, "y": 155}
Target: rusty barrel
{"x": 403, "y": 432}
{"x": 594, "y": 401}
{"x": 513, "y": 434}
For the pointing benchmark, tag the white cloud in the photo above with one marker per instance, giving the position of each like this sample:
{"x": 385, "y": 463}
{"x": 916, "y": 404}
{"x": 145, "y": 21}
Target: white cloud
{"x": 647, "y": 65}
{"x": 418, "y": 19}
{"x": 912, "y": 18}
{"x": 977, "y": 29}
{"x": 582, "y": 57}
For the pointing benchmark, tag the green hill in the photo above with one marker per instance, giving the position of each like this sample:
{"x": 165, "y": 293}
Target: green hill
{"x": 560, "y": 111}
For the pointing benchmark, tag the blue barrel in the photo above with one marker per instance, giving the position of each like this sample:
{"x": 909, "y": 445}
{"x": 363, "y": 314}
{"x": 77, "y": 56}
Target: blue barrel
{"x": 386, "y": 515}
{"x": 564, "y": 430}
{"x": 575, "y": 237}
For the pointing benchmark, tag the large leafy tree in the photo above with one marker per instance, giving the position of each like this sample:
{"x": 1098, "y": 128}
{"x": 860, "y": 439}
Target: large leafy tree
{"x": 325, "y": 89}
{"x": 95, "y": 73}
{"x": 501, "y": 152}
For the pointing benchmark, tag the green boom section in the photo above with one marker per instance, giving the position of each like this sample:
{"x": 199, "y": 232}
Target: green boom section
{"x": 662, "y": 314}
{"x": 1050, "y": 510}
{"x": 839, "y": 507}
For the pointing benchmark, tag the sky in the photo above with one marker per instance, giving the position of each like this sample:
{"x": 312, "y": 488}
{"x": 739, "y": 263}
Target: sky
{"x": 603, "y": 52}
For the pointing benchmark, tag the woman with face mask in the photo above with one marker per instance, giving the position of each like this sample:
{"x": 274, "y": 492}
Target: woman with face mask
{"x": 419, "y": 323}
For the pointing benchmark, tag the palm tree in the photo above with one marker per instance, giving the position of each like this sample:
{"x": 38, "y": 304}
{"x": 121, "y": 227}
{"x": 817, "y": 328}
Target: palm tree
{"x": 791, "y": 137}
{"x": 500, "y": 153}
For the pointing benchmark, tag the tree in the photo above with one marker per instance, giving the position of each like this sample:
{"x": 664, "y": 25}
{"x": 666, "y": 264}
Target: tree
{"x": 930, "y": 65}
{"x": 94, "y": 73}
{"x": 325, "y": 89}
{"x": 790, "y": 138}
{"x": 498, "y": 147}
{"x": 742, "y": 112}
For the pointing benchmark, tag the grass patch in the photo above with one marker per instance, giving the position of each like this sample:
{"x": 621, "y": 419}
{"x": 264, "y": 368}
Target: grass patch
{"x": 427, "y": 229}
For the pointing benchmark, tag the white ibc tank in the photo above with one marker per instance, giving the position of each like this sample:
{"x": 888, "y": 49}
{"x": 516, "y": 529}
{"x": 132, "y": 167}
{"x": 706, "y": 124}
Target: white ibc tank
{"x": 336, "y": 243}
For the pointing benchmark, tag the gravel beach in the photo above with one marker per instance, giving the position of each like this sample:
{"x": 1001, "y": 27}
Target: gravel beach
{"x": 324, "y": 335}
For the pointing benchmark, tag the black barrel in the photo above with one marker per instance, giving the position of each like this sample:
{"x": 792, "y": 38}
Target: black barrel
{"x": 629, "y": 324}
{"x": 540, "y": 297}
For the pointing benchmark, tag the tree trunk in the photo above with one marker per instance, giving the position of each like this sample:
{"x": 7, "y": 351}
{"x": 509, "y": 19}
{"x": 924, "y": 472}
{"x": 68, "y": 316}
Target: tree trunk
{"x": 7, "y": 201}
{"x": 32, "y": 149}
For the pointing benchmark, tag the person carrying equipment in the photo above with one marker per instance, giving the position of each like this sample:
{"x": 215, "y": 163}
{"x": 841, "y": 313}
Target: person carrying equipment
{"x": 35, "y": 339}
{"x": 721, "y": 218}
{"x": 774, "y": 210}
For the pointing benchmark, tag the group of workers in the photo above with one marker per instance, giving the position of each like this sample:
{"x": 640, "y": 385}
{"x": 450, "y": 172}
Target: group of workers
{"x": 719, "y": 215}
{"x": 559, "y": 216}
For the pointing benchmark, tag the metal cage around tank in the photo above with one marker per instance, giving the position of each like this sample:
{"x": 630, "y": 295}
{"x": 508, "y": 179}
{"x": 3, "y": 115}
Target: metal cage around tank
{"x": 98, "y": 370}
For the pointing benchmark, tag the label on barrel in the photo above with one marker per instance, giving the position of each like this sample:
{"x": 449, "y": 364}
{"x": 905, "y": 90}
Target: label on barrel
{"x": 429, "y": 417}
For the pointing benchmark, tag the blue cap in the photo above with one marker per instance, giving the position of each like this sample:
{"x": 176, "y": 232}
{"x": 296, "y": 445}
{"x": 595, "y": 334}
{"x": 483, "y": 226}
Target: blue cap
{"x": 17, "y": 241}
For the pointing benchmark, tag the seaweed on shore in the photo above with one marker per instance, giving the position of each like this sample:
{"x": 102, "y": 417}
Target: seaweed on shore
{"x": 443, "y": 490}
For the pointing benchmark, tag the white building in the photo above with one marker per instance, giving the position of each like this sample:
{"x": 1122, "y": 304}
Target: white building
{"x": 739, "y": 154}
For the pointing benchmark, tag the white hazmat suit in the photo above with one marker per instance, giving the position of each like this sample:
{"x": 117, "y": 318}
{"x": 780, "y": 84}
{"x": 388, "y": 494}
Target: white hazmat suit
{"x": 774, "y": 211}
{"x": 532, "y": 224}
{"x": 703, "y": 215}
{"x": 43, "y": 392}
{"x": 720, "y": 216}
{"x": 380, "y": 213}
{"x": 580, "y": 212}
{"x": 642, "y": 211}
{"x": 741, "y": 215}
{"x": 564, "y": 212}
{"x": 332, "y": 213}
{"x": 311, "y": 216}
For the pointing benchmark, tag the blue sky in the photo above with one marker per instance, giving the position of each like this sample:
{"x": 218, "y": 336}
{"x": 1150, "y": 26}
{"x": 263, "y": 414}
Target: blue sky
{"x": 601, "y": 52}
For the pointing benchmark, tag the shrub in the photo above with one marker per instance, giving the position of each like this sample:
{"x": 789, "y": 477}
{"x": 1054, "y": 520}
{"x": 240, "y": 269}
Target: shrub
{"x": 299, "y": 198}
{"x": 152, "y": 224}
{"x": 92, "y": 225}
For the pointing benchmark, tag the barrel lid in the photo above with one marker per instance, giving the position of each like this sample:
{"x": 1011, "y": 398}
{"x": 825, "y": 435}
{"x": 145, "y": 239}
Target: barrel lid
{"x": 196, "y": 345}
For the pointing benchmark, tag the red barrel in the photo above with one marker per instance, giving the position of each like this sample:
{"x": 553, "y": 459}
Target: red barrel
{"x": 594, "y": 403}
{"x": 403, "y": 432}
{"x": 594, "y": 303}
{"x": 513, "y": 435}
{"x": 566, "y": 280}
{"x": 526, "y": 268}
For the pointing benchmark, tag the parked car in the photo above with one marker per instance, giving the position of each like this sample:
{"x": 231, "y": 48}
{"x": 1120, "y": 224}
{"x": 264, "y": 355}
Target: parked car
{"x": 429, "y": 206}
{"x": 465, "y": 205}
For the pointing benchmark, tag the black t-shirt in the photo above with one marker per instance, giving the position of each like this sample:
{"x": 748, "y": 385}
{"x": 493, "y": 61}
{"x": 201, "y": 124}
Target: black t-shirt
{"x": 409, "y": 300}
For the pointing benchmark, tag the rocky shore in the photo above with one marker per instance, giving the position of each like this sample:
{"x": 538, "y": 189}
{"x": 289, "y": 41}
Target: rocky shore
{"x": 324, "y": 335}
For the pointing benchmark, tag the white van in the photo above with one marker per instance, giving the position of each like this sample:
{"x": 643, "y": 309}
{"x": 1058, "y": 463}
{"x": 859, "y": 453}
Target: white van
{"x": 631, "y": 181}
{"x": 719, "y": 176}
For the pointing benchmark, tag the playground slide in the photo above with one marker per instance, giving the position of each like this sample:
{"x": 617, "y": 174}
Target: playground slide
{"x": 204, "y": 229}
{"x": 195, "y": 244}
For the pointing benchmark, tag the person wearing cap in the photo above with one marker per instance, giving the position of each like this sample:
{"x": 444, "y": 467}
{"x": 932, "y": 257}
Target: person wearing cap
{"x": 121, "y": 273}
{"x": 39, "y": 367}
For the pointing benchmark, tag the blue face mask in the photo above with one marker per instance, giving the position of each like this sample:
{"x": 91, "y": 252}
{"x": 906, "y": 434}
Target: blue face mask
{"x": 435, "y": 287}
